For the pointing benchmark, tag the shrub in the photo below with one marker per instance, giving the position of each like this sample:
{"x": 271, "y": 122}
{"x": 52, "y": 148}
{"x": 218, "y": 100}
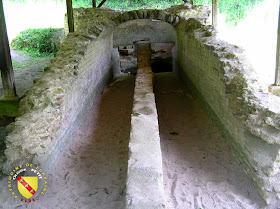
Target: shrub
{"x": 38, "y": 42}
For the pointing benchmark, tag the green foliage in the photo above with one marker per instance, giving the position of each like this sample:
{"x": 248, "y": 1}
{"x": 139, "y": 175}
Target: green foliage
{"x": 234, "y": 10}
{"x": 37, "y": 42}
{"x": 128, "y": 4}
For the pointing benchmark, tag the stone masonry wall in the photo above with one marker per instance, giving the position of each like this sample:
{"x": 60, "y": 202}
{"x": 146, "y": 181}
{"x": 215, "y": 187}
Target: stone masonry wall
{"x": 58, "y": 103}
{"x": 143, "y": 29}
{"x": 219, "y": 75}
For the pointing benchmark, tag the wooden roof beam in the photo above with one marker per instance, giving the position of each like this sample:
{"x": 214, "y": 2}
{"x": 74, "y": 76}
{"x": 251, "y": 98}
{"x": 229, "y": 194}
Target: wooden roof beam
{"x": 101, "y": 3}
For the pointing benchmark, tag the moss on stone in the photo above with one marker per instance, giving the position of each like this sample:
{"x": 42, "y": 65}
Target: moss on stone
{"x": 135, "y": 114}
{"x": 230, "y": 56}
{"x": 9, "y": 108}
{"x": 192, "y": 25}
{"x": 207, "y": 33}
{"x": 136, "y": 102}
{"x": 146, "y": 110}
{"x": 143, "y": 94}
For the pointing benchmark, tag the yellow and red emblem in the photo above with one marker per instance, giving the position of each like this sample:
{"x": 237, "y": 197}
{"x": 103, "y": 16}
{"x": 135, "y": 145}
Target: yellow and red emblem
{"x": 27, "y": 185}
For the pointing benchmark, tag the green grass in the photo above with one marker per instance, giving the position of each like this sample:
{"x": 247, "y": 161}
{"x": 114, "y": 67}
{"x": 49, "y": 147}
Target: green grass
{"x": 28, "y": 63}
{"x": 37, "y": 42}
{"x": 17, "y": 65}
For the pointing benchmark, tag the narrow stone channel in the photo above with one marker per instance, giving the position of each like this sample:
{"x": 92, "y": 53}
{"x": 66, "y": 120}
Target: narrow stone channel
{"x": 199, "y": 169}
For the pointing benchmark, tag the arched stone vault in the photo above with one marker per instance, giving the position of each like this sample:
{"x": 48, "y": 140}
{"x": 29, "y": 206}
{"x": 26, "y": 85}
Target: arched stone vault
{"x": 217, "y": 73}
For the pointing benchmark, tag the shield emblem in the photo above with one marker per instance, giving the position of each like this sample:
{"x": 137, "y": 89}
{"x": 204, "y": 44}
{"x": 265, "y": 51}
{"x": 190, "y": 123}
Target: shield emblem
{"x": 27, "y": 185}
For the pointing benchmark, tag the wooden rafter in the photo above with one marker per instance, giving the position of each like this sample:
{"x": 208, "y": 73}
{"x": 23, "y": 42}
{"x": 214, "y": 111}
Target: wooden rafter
{"x": 101, "y": 3}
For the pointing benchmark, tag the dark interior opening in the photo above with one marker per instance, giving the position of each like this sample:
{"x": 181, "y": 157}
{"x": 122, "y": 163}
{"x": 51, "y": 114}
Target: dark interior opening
{"x": 160, "y": 65}
{"x": 161, "y": 60}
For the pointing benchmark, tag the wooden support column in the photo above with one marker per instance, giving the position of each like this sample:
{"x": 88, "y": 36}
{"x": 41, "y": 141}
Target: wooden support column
{"x": 6, "y": 67}
{"x": 277, "y": 75}
{"x": 275, "y": 89}
{"x": 101, "y": 3}
{"x": 70, "y": 16}
{"x": 215, "y": 12}
{"x": 93, "y": 3}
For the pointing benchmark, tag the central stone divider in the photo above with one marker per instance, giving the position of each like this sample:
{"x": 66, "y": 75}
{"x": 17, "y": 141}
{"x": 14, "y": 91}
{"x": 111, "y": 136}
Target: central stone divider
{"x": 144, "y": 186}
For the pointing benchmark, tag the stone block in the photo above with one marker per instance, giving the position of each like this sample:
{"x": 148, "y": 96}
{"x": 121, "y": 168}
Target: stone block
{"x": 274, "y": 90}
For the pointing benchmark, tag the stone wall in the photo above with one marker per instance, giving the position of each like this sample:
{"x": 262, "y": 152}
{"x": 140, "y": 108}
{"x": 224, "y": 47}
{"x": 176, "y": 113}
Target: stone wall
{"x": 216, "y": 72}
{"x": 143, "y": 29}
{"x": 57, "y": 104}
{"x": 219, "y": 75}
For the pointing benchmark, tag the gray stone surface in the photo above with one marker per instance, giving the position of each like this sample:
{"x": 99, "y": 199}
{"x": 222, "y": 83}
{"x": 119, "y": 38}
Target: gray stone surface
{"x": 220, "y": 76}
{"x": 143, "y": 29}
{"x": 144, "y": 176}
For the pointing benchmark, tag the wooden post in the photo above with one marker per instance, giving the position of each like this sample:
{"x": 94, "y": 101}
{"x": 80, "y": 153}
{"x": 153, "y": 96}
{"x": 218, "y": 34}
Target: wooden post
{"x": 70, "y": 16}
{"x": 6, "y": 67}
{"x": 93, "y": 3}
{"x": 277, "y": 75}
{"x": 102, "y": 2}
{"x": 215, "y": 12}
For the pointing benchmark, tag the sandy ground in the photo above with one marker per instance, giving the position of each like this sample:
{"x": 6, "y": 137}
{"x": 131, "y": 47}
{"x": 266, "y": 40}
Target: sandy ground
{"x": 199, "y": 169}
{"x": 27, "y": 69}
{"x": 92, "y": 171}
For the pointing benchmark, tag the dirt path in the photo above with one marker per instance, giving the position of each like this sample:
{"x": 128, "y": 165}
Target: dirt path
{"x": 199, "y": 169}
{"x": 26, "y": 69}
